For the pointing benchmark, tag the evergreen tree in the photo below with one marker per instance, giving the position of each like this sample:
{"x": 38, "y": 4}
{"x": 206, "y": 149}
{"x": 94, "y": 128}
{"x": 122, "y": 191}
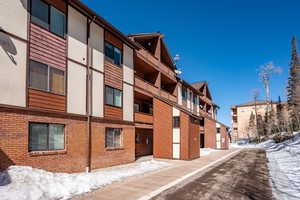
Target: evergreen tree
{"x": 293, "y": 88}
{"x": 252, "y": 126}
{"x": 279, "y": 116}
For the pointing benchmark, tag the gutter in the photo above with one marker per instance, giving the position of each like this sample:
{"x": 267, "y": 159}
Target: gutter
{"x": 89, "y": 98}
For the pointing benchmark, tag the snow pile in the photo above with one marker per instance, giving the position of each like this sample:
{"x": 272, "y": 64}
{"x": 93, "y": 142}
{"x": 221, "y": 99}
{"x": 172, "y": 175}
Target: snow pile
{"x": 26, "y": 183}
{"x": 284, "y": 167}
{"x": 207, "y": 151}
{"x": 246, "y": 144}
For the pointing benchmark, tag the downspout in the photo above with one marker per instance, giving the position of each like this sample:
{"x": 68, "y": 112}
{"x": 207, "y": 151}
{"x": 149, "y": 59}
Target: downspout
{"x": 89, "y": 99}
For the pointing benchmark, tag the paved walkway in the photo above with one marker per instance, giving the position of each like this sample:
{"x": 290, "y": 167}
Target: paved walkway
{"x": 148, "y": 185}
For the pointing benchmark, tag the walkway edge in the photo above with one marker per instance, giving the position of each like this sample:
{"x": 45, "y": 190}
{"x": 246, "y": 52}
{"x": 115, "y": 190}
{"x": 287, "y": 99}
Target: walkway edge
{"x": 173, "y": 183}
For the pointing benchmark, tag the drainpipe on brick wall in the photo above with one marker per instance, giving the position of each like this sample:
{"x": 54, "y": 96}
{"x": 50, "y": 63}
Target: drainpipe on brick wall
{"x": 89, "y": 98}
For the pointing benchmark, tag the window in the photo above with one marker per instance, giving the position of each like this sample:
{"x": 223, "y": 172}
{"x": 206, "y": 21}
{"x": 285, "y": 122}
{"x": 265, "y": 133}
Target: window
{"x": 40, "y": 13}
{"x": 113, "y": 54}
{"x": 202, "y": 122}
{"x": 46, "y": 78}
{"x": 195, "y": 100}
{"x": 176, "y": 122}
{"x": 113, "y": 96}
{"x": 113, "y": 137}
{"x": 218, "y": 130}
{"x": 184, "y": 93}
{"x": 48, "y": 17}
{"x": 46, "y": 137}
{"x": 136, "y": 107}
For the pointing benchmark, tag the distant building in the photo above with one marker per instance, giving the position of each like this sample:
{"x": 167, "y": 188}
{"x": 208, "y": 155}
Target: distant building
{"x": 241, "y": 115}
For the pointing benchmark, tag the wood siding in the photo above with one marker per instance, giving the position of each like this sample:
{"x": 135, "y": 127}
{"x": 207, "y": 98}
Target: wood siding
{"x": 47, "y": 47}
{"x": 112, "y": 112}
{"x": 45, "y": 100}
{"x": 143, "y": 118}
{"x": 113, "y": 40}
{"x": 113, "y": 75}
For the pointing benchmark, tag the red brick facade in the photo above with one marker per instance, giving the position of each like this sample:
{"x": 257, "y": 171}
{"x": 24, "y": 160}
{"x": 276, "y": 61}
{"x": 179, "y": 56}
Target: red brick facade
{"x": 162, "y": 129}
{"x": 210, "y": 133}
{"x": 224, "y": 138}
{"x": 14, "y": 137}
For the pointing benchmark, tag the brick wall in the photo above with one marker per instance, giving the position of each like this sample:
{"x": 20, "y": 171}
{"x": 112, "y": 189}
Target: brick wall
{"x": 194, "y": 145}
{"x": 210, "y": 133}
{"x": 162, "y": 129}
{"x": 14, "y": 143}
{"x": 224, "y": 138}
{"x": 103, "y": 157}
{"x": 184, "y": 136}
{"x": 14, "y": 136}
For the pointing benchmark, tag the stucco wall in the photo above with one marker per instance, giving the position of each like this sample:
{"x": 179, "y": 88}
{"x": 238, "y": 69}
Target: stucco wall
{"x": 97, "y": 94}
{"x": 77, "y": 35}
{"x": 97, "y": 45}
{"x": 13, "y": 17}
{"x": 128, "y": 64}
{"x": 76, "y": 89}
{"x": 127, "y": 102}
{"x": 12, "y": 71}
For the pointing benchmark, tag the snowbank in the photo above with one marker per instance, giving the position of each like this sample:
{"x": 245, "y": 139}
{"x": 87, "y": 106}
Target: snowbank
{"x": 26, "y": 183}
{"x": 284, "y": 167}
{"x": 206, "y": 151}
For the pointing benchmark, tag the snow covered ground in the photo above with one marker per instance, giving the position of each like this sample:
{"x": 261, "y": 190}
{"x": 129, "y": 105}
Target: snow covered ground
{"x": 26, "y": 183}
{"x": 206, "y": 151}
{"x": 284, "y": 166}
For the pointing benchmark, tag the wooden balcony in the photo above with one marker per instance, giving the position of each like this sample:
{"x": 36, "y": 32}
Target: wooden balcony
{"x": 155, "y": 63}
{"x": 140, "y": 83}
{"x": 168, "y": 96}
{"x": 143, "y": 118}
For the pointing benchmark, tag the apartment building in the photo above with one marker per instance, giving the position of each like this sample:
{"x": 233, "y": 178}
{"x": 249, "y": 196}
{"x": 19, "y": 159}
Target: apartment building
{"x": 77, "y": 94}
{"x": 241, "y": 116}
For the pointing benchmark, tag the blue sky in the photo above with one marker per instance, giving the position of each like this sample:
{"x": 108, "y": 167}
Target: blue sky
{"x": 223, "y": 42}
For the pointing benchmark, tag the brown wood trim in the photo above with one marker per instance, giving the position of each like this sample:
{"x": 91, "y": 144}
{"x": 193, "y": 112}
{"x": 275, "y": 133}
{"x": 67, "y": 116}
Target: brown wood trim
{"x": 111, "y": 121}
{"x": 14, "y": 36}
{"x": 97, "y": 70}
{"x": 76, "y": 62}
{"x": 40, "y": 112}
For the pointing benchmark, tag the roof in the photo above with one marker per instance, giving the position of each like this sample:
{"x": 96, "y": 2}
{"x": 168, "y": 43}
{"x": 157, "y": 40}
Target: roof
{"x": 258, "y": 102}
{"x": 102, "y": 22}
{"x": 199, "y": 84}
{"x": 154, "y": 35}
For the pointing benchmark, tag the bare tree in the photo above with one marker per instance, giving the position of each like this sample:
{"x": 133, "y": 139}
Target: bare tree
{"x": 255, "y": 95}
{"x": 265, "y": 73}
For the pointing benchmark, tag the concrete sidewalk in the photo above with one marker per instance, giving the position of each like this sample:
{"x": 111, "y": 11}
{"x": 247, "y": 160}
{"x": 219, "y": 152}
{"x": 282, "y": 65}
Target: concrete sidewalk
{"x": 147, "y": 185}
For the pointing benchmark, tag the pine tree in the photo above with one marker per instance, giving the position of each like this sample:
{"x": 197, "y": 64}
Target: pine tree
{"x": 279, "y": 116}
{"x": 252, "y": 126}
{"x": 293, "y": 88}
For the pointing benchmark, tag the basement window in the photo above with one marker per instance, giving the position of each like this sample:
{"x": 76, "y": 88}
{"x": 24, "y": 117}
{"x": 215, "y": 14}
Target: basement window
{"x": 46, "y": 137}
{"x": 113, "y": 138}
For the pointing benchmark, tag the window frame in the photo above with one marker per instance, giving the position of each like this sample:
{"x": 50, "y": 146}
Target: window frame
{"x": 48, "y": 134}
{"x": 114, "y": 97}
{"x": 176, "y": 121}
{"x": 112, "y": 60}
{"x": 113, "y": 142}
{"x": 48, "y": 78}
{"x": 184, "y": 93}
{"x": 49, "y": 19}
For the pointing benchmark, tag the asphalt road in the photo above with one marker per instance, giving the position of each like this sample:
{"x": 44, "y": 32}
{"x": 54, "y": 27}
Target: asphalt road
{"x": 243, "y": 177}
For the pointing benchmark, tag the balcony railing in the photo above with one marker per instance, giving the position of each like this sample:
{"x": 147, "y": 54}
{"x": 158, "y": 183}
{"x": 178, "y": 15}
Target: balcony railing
{"x": 143, "y": 117}
{"x": 141, "y": 83}
{"x": 168, "y": 96}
